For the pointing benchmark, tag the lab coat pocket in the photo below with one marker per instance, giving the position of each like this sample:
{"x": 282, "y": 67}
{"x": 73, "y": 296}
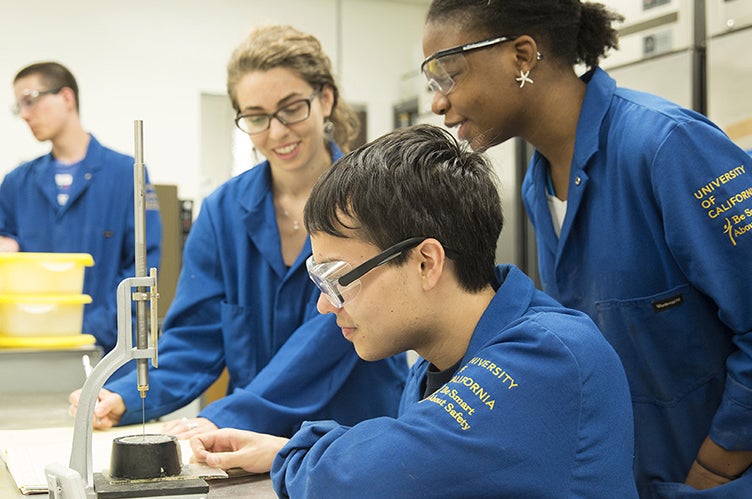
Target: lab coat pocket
{"x": 239, "y": 325}
{"x": 670, "y": 343}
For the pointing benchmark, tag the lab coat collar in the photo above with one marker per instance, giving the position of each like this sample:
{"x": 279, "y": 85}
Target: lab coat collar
{"x": 44, "y": 175}
{"x": 513, "y": 297}
{"x": 598, "y": 95}
{"x": 600, "y": 91}
{"x": 260, "y": 220}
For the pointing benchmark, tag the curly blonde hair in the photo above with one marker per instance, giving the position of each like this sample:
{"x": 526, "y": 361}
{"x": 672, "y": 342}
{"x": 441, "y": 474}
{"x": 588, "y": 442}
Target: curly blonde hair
{"x": 274, "y": 46}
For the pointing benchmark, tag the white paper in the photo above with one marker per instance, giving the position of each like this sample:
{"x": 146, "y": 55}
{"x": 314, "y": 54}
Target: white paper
{"x": 27, "y": 452}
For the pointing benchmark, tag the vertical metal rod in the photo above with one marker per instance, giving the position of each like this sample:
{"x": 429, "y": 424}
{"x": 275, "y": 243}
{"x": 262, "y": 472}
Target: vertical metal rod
{"x": 699, "y": 58}
{"x": 139, "y": 214}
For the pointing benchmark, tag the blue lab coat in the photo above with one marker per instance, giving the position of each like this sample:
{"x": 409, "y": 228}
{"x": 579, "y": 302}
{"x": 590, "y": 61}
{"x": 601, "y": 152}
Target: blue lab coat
{"x": 539, "y": 408}
{"x": 656, "y": 247}
{"x": 238, "y": 305}
{"x": 97, "y": 219}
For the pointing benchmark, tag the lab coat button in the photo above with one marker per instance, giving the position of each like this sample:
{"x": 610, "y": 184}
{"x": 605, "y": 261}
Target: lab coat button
{"x": 577, "y": 181}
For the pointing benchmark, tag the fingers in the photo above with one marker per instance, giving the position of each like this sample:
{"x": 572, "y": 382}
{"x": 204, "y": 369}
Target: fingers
{"x": 186, "y": 428}
{"x": 199, "y": 445}
{"x": 207, "y": 447}
{"x": 73, "y": 401}
{"x": 223, "y": 460}
{"x": 108, "y": 410}
{"x": 219, "y": 449}
{"x": 230, "y": 448}
{"x": 74, "y": 397}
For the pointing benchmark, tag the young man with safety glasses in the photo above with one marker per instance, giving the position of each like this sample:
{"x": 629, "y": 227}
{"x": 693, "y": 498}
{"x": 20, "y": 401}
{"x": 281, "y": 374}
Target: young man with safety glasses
{"x": 514, "y": 395}
{"x": 78, "y": 198}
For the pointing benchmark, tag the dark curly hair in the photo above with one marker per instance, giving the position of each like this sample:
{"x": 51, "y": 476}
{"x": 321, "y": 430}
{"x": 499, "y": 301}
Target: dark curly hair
{"x": 281, "y": 46}
{"x": 571, "y": 31}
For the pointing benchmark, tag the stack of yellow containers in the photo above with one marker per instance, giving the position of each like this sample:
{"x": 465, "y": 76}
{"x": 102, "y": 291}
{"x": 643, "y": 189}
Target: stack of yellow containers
{"x": 41, "y": 300}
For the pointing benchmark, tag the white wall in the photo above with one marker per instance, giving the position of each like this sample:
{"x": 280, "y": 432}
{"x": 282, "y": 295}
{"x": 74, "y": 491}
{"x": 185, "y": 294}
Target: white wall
{"x": 152, "y": 59}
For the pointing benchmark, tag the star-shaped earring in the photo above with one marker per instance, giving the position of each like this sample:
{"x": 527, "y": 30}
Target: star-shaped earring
{"x": 524, "y": 78}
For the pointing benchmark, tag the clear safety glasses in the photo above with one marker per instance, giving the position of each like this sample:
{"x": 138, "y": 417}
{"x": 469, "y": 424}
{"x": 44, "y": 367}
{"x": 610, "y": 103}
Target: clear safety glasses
{"x": 340, "y": 283}
{"x": 294, "y": 112}
{"x": 442, "y": 68}
{"x": 30, "y": 98}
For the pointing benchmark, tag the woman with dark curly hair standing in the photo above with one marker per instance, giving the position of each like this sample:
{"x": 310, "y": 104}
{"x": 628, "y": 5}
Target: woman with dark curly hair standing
{"x": 641, "y": 210}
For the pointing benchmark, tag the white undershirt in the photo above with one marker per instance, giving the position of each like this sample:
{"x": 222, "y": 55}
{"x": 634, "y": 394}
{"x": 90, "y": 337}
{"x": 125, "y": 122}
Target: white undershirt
{"x": 558, "y": 209}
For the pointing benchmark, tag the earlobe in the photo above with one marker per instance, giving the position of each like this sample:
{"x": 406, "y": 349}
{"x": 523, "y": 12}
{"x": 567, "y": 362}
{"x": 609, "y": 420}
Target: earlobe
{"x": 527, "y": 57}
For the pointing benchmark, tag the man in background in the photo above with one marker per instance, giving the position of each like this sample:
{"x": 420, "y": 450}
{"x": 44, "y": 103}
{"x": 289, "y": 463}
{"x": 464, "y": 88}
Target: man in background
{"x": 78, "y": 198}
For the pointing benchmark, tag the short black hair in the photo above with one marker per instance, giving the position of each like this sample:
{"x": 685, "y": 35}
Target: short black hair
{"x": 415, "y": 181}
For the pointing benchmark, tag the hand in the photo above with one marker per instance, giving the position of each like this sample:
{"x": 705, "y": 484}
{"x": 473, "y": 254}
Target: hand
{"x": 230, "y": 448}
{"x": 701, "y": 478}
{"x": 107, "y": 412}
{"x": 8, "y": 245}
{"x": 186, "y": 428}
{"x": 715, "y": 465}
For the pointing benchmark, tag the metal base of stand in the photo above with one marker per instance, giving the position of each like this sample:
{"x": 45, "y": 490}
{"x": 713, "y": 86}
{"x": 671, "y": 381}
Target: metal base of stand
{"x": 174, "y": 488}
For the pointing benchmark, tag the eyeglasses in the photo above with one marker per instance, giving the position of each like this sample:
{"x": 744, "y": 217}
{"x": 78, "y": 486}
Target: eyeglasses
{"x": 340, "y": 283}
{"x": 442, "y": 68}
{"x": 294, "y": 112}
{"x": 29, "y": 99}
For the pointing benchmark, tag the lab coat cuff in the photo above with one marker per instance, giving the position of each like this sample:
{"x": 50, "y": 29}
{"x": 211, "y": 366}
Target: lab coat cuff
{"x": 732, "y": 425}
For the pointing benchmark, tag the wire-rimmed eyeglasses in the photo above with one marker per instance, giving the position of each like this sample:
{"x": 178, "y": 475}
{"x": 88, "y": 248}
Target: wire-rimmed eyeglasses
{"x": 29, "y": 99}
{"x": 442, "y": 68}
{"x": 289, "y": 114}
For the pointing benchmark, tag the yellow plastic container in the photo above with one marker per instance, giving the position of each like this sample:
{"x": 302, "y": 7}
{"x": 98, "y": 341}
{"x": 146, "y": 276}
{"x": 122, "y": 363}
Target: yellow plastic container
{"x": 42, "y": 315}
{"x": 43, "y": 273}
